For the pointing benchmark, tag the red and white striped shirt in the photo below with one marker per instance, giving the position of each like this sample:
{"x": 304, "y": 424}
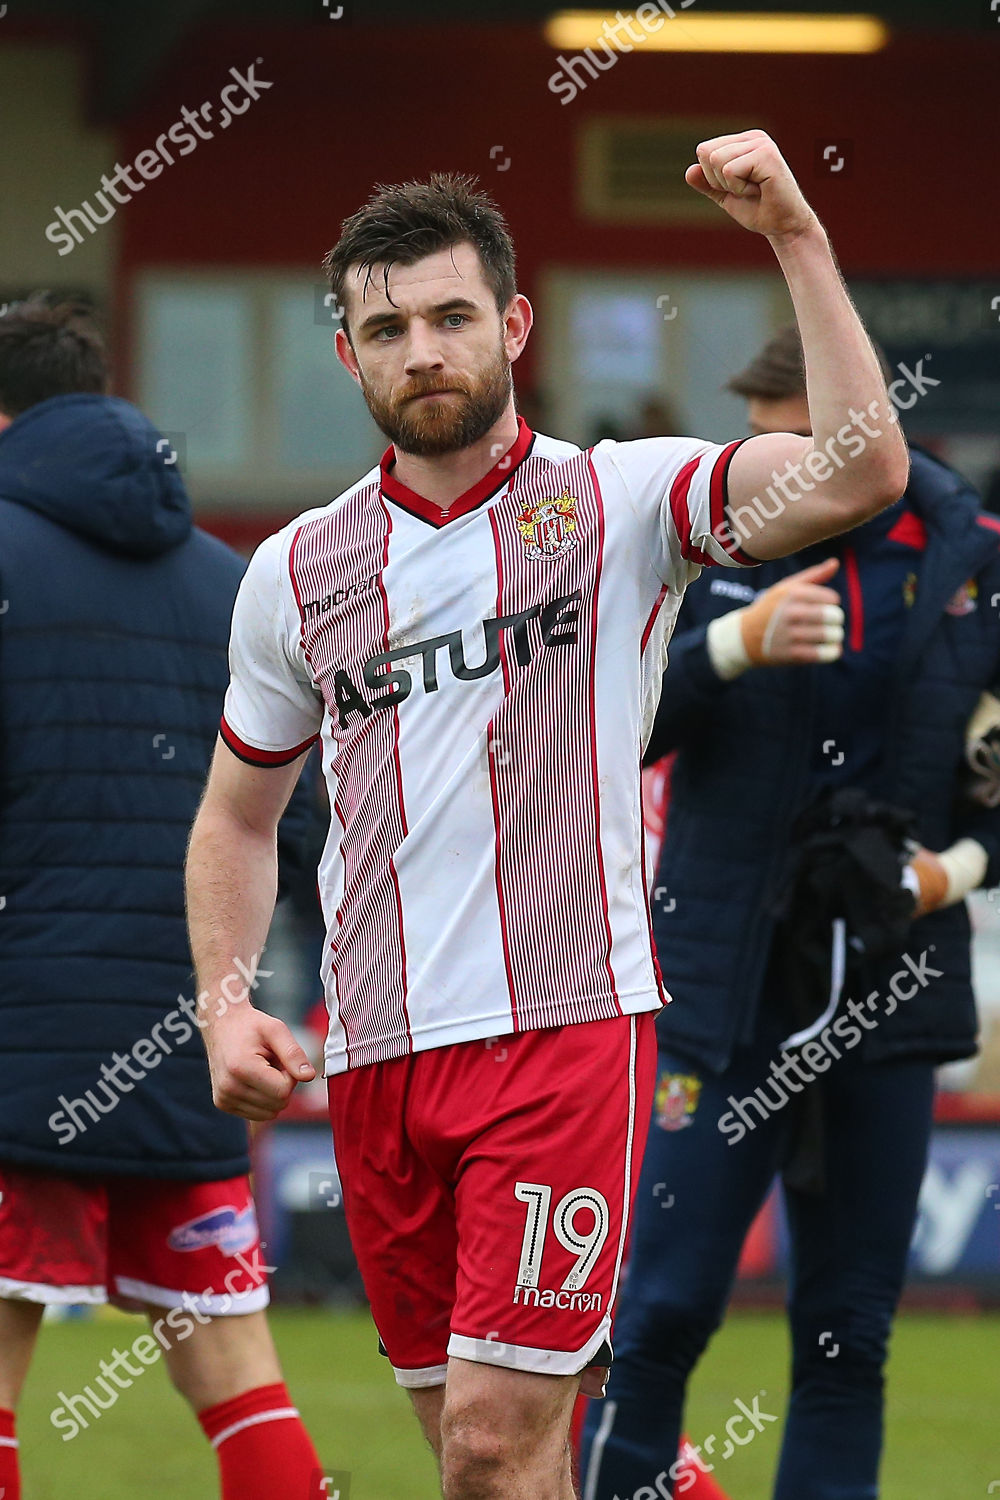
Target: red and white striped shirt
{"x": 482, "y": 682}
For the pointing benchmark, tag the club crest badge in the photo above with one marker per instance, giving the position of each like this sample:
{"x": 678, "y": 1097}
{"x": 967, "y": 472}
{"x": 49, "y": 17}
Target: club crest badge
{"x": 547, "y": 528}
{"x": 676, "y": 1100}
{"x": 964, "y": 600}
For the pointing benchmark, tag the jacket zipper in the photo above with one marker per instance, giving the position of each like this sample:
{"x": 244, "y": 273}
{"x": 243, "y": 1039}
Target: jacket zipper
{"x": 856, "y": 608}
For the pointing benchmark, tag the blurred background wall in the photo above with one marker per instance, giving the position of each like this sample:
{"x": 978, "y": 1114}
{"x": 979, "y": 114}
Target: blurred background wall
{"x": 209, "y": 277}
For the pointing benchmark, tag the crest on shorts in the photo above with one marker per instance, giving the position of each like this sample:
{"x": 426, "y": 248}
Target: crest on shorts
{"x": 676, "y": 1100}
{"x": 964, "y": 600}
{"x": 230, "y": 1228}
{"x": 547, "y": 528}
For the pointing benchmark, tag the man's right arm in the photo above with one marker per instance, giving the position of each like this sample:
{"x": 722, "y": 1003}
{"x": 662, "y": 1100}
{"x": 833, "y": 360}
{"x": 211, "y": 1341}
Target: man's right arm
{"x": 271, "y": 718}
{"x": 231, "y": 881}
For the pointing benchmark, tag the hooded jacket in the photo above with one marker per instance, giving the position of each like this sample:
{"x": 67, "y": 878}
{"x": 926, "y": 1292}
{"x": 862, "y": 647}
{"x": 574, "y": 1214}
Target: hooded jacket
{"x": 114, "y": 624}
{"x": 754, "y": 752}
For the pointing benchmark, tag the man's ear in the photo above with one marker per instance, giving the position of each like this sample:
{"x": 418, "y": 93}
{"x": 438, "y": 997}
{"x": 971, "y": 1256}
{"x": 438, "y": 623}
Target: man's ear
{"x": 5, "y": 421}
{"x": 517, "y": 325}
{"x": 346, "y": 355}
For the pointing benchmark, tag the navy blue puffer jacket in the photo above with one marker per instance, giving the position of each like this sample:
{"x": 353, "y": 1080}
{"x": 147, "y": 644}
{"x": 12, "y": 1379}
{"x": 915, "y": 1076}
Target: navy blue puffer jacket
{"x": 113, "y": 635}
{"x": 745, "y": 768}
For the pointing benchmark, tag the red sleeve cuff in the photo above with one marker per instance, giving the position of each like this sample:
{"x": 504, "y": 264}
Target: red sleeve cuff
{"x": 719, "y": 506}
{"x": 255, "y": 757}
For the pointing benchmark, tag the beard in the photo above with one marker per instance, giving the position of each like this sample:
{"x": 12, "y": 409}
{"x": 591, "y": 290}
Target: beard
{"x": 430, "y": 428}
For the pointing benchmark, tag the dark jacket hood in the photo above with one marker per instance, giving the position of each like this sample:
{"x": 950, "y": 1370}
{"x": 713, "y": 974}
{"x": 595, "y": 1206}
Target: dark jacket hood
{"x": 97, "y": 466}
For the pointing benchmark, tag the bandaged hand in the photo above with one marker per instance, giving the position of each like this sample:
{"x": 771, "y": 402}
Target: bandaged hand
{"x": 796, "y": 621}
{"x": 942, "y": 879}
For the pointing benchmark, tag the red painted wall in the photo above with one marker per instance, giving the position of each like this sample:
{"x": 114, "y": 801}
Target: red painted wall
{"x": 353, "y": 105}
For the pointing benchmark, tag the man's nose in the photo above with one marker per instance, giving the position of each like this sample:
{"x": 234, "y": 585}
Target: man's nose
{"x": 423, "y": 350}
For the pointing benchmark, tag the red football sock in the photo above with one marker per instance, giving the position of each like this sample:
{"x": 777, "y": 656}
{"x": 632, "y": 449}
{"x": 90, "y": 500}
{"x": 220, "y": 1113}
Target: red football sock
{"x": 262, "y": 1447}
{"x": 10, "y": 1480}
{"x": 704, "y": 1487}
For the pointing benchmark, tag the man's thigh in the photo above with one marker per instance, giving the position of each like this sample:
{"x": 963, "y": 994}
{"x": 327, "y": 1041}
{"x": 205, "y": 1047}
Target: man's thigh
{"x": 543, "y": 1196}
{"x": 400, "y": 1213}
{"x": 487, "y": 1191}
{"x": 701, "y": 1185}
{"x": 852, "y": 1240}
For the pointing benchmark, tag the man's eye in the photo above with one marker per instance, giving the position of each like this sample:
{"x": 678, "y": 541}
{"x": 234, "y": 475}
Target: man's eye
{"x": 383, "y": 333}
{"x": 459, "y": 317}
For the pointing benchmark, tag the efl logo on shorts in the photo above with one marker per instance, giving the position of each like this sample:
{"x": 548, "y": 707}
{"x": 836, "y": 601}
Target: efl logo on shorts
{"x": 547, "y": 528}
{"x": 226, "y": 1227}
{"x": 676, "y": 1100}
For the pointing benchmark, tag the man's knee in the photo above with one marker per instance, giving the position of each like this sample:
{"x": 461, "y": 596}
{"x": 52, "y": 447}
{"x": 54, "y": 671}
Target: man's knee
{"x": 19, "y": 1325}
{"x": 428, "y": 1402}
{"x": 474, "y": 1455}
{"x": 665, "y": 1334}
{"x": 839, "y": 1350}
{"x": 213, "y": 1359}
{"x": 489, "y": 1434}
{"x": 483, "y": 1450}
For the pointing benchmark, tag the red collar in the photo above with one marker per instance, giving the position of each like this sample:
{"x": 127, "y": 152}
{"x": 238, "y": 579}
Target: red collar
{"x": 480, "y": 492}
{"x": 910, "y": 530}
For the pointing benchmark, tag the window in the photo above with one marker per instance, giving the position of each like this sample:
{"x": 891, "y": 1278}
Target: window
{"x": 241, "y": 369}
{"x": 612, "y": 340}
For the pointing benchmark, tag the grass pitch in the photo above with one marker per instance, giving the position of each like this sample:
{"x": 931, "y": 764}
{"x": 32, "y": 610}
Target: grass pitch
{"x": 943, "y": 1438}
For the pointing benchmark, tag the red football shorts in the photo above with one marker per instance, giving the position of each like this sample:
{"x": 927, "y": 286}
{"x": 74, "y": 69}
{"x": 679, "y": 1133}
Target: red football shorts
{"x": 487, "y": 1188}
{"x": 130, "y": 1241}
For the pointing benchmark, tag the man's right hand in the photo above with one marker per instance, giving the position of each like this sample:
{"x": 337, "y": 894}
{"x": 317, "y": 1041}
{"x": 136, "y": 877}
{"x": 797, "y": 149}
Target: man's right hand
{"x": 255, "y": 1063}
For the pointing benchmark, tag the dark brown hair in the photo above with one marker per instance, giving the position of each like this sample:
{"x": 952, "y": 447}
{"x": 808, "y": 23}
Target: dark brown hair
{"x": 778, "y": 371}
{"x": 402, "y": 223}
{"x": 48, "y": 350}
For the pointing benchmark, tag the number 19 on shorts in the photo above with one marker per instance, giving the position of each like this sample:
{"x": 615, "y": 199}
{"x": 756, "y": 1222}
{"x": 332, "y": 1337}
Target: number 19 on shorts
{"x": 585, "y": 1246}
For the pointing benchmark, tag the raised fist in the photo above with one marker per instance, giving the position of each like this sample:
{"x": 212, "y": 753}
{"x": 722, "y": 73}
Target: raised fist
{"x": 747, "y": 175}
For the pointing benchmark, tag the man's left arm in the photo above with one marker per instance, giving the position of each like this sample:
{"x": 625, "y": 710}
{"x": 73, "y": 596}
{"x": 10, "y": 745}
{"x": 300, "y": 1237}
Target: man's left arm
{"x": 785, "y": 491}
{"x": 973, "y": 860}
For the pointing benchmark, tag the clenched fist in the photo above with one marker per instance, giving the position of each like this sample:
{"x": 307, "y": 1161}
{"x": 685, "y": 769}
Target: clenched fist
{"x": 747, "y": 175}
{"x": 255, "y": 1063}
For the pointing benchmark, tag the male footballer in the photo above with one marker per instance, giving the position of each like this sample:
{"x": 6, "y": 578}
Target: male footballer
{"x": 475, "y": 631}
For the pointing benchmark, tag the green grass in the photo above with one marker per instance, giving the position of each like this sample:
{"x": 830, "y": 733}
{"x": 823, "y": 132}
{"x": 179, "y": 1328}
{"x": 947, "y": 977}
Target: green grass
{"x": 943, "y": 1438}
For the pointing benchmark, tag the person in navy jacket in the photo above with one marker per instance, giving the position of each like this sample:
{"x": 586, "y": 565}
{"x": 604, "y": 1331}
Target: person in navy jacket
{"x": 119, "y": 1180}
{"x": 858, "y": 663}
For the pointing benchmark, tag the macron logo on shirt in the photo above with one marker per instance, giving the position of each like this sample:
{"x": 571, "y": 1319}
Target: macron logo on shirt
{"x": 313, "y": 608}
